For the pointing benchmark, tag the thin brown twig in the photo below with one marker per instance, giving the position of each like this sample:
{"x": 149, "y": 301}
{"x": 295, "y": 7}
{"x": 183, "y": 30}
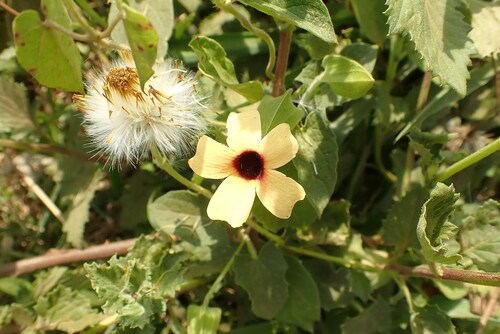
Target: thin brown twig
{"x": 60, "y": 257}
{"x": 9, "y": 9}
{"x": 49, "y": 149}
{"x": 490, "y": 308}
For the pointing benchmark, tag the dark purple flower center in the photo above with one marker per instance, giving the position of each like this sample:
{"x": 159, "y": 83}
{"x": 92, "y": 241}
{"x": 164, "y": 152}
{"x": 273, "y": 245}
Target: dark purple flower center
{"x": 249, "y": 165}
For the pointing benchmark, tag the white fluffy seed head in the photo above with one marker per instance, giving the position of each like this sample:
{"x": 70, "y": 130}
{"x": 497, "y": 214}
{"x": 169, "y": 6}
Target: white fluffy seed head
{"x": 125, "y": 123}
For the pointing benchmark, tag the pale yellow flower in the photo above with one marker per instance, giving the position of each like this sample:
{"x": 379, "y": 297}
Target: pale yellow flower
{"x": 248, "y": 162}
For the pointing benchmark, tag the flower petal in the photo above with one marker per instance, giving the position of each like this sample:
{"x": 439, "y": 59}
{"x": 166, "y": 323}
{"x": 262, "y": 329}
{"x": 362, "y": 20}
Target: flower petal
{"x": 212, "y": 159}
{"x": 243, "y": 130}
{"x": 279, "y": 193}
{"x": 278, "y": 147}
{"x": 232, "y": 201}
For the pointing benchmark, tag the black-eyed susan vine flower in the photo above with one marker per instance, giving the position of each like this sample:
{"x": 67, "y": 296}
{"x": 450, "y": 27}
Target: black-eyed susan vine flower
{"x": 247, "y": 163}
{"x": 126, "y": 123}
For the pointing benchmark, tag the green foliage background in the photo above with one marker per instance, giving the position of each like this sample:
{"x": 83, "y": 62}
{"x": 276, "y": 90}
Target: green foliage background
{"x": 395, "y": 106}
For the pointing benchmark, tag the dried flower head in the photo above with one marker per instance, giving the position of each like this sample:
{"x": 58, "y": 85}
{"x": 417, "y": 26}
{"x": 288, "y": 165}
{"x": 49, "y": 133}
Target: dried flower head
{"x": 126, "y": 123}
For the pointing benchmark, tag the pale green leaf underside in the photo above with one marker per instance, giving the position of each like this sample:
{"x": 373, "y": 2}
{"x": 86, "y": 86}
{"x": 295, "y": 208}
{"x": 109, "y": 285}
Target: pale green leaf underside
{"x": 485, "y": 26}
{"x": 203, "y": 319}
{"x": 13, "y": 106}
{"x": 310, "y": 15}
{"x": 433, "y": 229}
{"x": 346, "y": 77}
{"x": 440, "y": 36}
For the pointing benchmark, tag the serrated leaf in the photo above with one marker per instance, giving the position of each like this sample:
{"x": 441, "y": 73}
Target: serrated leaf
{"x": 400, "y": 224}
{"x": 480, "y": 236}
{"x": 66, "y": 310}
{"x": 485, "y": 27}
{"x": 264, "y": 280}
{"x": 434, "y": 229}
{"x": 276, "y": 110}
{"x": 126, "y": 288}
{"x": 371, "y": 19}
{"x": 143, "y": 40}
{"x": 48, "y": 55}
{"x": 14, "y": 114}
{"x": 438, "y": 30}
{"x": 203, "y": 320}
{"x": 375, "y": 319}
{"x": 428, "y": 146}
{"x": 431, "y": 320}
{"x": 303, "y": 305}
{"x": 46, "y": 280}
{"x": 159, "y": 12}
{"x": 346, "y": 77}
{"x": 214, "y": 64}
{"x": 311, "y": 15}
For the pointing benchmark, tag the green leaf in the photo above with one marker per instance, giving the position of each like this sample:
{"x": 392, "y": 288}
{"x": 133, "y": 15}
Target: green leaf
{"x": 214, "y": 64}
{"x": 175, "y": 208}
{"x": 126, "y": 289}
{"x": 203, "y": 320}
{"x": 400, "y": 224}
{"x": 434, "y": 231}
{"x": 363, "y": 53}
{"x": 47, "y": 280}
{"x": 159, "y": 12}
{"x": 264, "y": 280}
{"x": 375, "y": 319}
{"x": 333, "y": 284}
{"x": 428, "y": 146}
{"x": 372, "y": 21}
{"x": 310, "y": 15}
{"x": 303, "y": 305}
{"x": 333, "y": 228}
{"x": 276, "y": 110}
{"x": 66, "y": 310}
{"x": 19, "y": 288}
{"x": 485, "y": 27}
{"x": 48, "y": 55}
{"x": 79, "y": 183}
{"x": 316, "y": 162}
{"x": 480, "y": 235}
{"x": 14, "y": 113}
{"x": 480, "y": 76}
{"x": 135, "y": 287}
{"x": 438, "y": 30}
{"x": 143, "y": 40}
{"x": 346, "y": 77}
{"x": 431, "y": 320}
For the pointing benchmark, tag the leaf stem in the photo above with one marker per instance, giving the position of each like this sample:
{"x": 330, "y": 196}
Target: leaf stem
{"x": 9, "y": 9}
{"x": 91, "y": 12}
{"x": 469, "y": 160}
{"x": 395, "y": 57}
{"x": 450, "y": 274}
{"x": 378, "y": 157}
{"x": 406, "y": 291}
{"x": 424, "y": 91}
{"x": 216, "y": 285}
{"x": 48, "y": 149}
{"x": 282, "y": 60}
{"x": 164, "y": 164}
{"x": 280, "y": 242}
{"x": 232, "y": 9}
{"x": 306, "y": 97}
